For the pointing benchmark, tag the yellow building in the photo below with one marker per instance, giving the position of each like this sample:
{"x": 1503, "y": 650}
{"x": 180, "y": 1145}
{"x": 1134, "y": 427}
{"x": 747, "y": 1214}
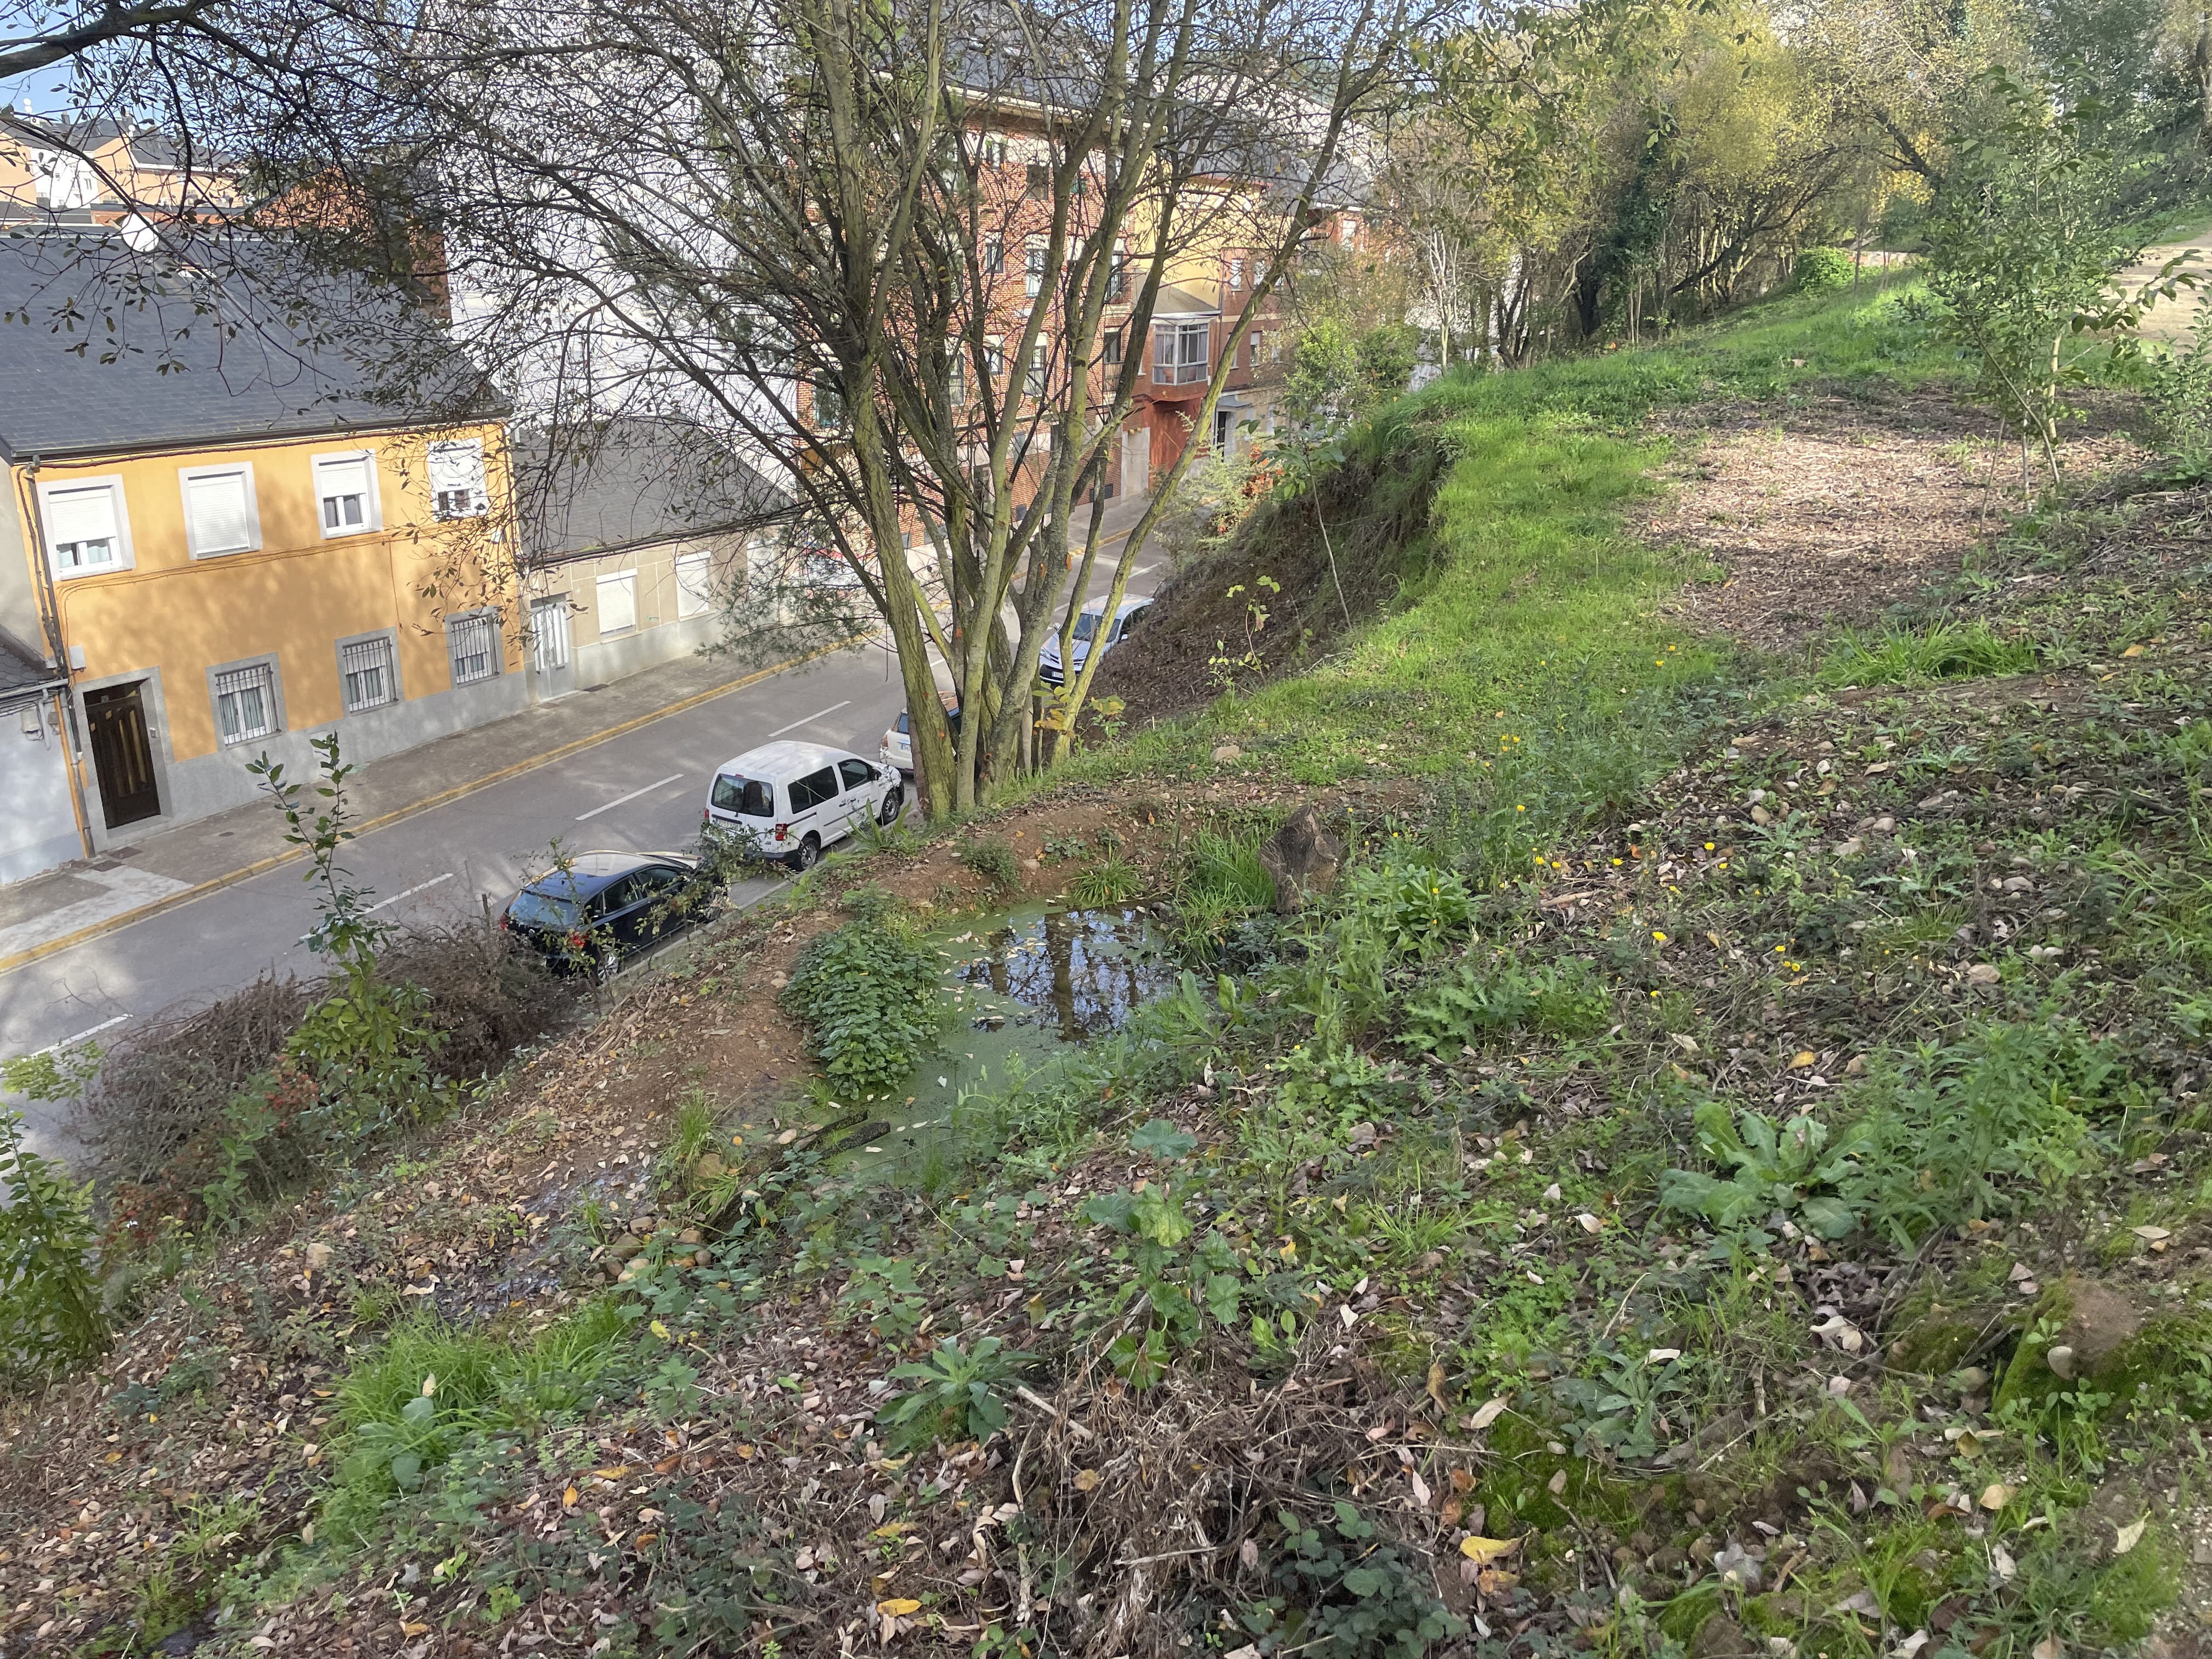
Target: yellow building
{"x": 228, "y": 556}
{"x": 80, "y": 170}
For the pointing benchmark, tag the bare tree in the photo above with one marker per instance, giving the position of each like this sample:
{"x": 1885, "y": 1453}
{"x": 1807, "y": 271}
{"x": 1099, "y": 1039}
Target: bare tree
{"x": 904, "y": 260}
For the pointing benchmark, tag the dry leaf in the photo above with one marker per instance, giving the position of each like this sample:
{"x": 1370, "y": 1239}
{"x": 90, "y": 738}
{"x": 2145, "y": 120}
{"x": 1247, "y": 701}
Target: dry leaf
{"x": 2151, "y": 1235}
{"x": 1489, "y": 1413}
{"x": 1086, "y": 1480}
{"x": 1436, "y": 1385}
{"x": 1590, "y": 1223}
{"x": 1803, "y": 1058}
{"x": 1493, "y": 1582}
{"x": 1483, "y": 1551}
{"x": 2048, "y": 1648}
{"x": 1997, "y": 1495}
{"x": 2128, "y": 1537}
{"x": 898, "y": 1606}
{"x": 568, "y": 1498}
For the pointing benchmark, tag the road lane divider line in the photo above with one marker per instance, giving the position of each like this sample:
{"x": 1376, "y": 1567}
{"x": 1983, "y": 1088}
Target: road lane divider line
{"x": 624, "y": 800}
{"x": 819, "y": 713}
{"x": 23, "y": 958}
{"x": 88, "y": 1033}
{"x": 419, "y": 887}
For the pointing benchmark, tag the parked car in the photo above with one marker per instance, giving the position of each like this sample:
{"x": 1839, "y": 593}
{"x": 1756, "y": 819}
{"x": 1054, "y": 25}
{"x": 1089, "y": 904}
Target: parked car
{"x": 897, "y": 752}
{"x": 1086, "y": 633}
{"x": 602, "y": 906}
{"x": 794, "y": 799}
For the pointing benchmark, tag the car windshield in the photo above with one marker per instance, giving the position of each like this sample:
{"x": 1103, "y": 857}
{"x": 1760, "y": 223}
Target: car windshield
{"x": 1087, "y": 623}
{"x": 753, "y": 797}
{"x": 532, "y": 908}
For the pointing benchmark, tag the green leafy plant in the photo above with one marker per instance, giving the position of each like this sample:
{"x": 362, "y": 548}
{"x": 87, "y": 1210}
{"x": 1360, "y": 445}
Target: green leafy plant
{"x": 1484, "y": 1001}
{"x": 1788, "y": 1167}
{"x": 1344, "y": 1591}
{"x": 868, "y": 992}
{"x": 955, "y": 1394}
{"x": 1896, "y": 656}
{"x": 1412, "y": 909}
{"x": 2181, "y": 402}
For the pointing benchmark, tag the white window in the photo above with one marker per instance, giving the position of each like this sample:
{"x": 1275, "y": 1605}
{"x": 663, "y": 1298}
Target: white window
{"x": 1117, "y": 277}
{"x": 366, "y": 667}
{"x": 65, "y": 180}
{"x": 617, "y": 603}
{"x": 457, "y": 479}
{"x": 1179, "y": 353}
{"x": 1236, "y": 273}
{"x": 1033, "y": 283}
{"x": 994, "y": 255}
{"x": 87, "y": 530}
{"x": 345, "y": 485}
{"x": 994, "y": 357}
{"x": 219, "y": 512}
{"x": 245, "y": 702}
{"x": 695, "y": 584}
{"x": 472, "y": 646}
{"x": 1039, "y": 370}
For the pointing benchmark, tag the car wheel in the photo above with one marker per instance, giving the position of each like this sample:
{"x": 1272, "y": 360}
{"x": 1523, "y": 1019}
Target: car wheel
{"x": 608, "y": 965}
{"x": 809, "y": 853}
{"x": 894, "y": 803}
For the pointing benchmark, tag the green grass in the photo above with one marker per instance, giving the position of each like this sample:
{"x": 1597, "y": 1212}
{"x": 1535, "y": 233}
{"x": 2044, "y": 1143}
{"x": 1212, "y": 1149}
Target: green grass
{"x": 1527, "y": 649}
{"x": 1967, "y": 650}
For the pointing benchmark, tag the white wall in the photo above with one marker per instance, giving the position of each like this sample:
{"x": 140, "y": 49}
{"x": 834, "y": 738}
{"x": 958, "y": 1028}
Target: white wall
{"x": 38, "y": 828}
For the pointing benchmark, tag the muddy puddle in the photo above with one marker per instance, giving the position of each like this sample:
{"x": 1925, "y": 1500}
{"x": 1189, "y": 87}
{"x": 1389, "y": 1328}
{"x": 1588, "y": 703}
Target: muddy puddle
{"x": 1020, "y": 991}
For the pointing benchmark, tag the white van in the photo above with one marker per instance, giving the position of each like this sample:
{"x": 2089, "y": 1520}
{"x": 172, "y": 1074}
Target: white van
{"x": 795, "y": 799}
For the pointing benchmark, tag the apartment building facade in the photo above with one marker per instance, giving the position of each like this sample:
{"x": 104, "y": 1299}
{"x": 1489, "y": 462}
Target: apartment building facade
{"x": 224, "y": 559}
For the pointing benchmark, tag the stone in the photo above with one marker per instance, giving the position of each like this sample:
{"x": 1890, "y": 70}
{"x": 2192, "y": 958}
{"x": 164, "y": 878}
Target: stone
{"x": 709, "y": 1165}
{"x": 1224, "y": 753}
{"x": 625, "y": 1247}
{"x": 1302, "y": 858}
{"x": 1720, "y": 1638}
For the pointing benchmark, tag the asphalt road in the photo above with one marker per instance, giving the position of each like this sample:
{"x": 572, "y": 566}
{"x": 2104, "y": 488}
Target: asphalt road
{"x": 643, "y": 791}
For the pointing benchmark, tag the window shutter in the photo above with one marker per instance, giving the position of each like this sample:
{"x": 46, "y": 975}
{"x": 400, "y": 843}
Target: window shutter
{"x": 617, "y": 603}
{"x": 346, "y": 477}
{"x": 81, "y": 515}
{"x": 214, "y": 509}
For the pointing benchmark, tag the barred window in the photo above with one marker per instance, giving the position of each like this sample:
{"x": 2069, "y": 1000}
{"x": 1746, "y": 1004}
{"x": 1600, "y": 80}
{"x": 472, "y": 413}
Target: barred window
{"x": 473, "y": 645}
{"x": 245, "y": 704}
{"x": 366, "y": 667}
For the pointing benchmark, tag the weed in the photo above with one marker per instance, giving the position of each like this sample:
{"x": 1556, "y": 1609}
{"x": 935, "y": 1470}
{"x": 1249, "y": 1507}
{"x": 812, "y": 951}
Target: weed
{"x": 994, "y": 860}
{"x": 954, "y": 1394}
{"x": 1482, "y": 1002}
{"x": 50, "y": 1313}
{"x": 1112, "y": 880}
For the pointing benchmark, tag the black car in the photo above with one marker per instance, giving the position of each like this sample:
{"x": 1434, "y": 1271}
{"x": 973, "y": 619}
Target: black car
{"x": 604, "y": 907}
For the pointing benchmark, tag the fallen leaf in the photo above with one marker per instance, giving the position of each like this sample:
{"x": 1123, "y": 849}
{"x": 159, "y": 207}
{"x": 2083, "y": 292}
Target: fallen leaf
{"x": 1803, "y": 1058}
{"x": 2133, "y": 651}
{"x": 2128, "y": 1537}
{"x": 1589, "y": 1222}
{"x": 2048, "y": 1648}
{"x": 1484, "y": 1550}
{"x": 568, "y": 1498}
{"x": 1491, "y": 1581}
{"x": 1436, "y": 1385}
{"x": 1086, "y": 1480}
{"x": 1489, "y": 1413}
{"x": 898, "y": 1606}
{"x": 1997, "y": 1495}
{"x": 2150, "y": 1235}
{"x": 2001, "y": 1564}
{"x": 659, "y": 1330}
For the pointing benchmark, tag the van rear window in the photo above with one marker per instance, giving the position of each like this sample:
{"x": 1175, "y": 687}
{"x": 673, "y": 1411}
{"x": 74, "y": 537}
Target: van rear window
{"x": 753, "y": 797}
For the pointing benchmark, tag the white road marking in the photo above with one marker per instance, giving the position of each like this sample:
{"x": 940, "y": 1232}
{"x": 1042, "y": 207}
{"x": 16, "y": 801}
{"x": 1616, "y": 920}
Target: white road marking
{"x": 811, "y": 718}
{"x": 1142, "y": 570}
{"x": 89, "y": 1031}
{"x": 624, "y": 800}
{"x": 419, "y": 887}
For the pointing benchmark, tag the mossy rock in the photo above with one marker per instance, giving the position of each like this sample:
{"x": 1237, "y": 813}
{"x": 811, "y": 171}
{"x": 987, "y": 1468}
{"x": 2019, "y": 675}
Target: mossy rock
{"x": 2081, "y": 1332}
{"x": 1939, "y": 1337}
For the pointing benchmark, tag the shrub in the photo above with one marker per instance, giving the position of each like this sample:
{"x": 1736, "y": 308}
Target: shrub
{"x": 2181, "y": 403}
{"x": 1409, "y": 909}
{"x": 1344, "y": 1593}
{"x": 1823, "y": 270}
{"x": 994, "y": 861}
{"x": 1789, "y": 1167}
{"x": 51, "y": 1316}
{"x": 867, "y": 991}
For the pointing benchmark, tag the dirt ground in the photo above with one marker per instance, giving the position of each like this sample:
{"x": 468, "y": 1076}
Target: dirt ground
{"x": 1837, "y": 509}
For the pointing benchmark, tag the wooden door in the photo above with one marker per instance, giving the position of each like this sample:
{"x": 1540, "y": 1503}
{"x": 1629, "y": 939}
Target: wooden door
{"x": 122, "y": 753}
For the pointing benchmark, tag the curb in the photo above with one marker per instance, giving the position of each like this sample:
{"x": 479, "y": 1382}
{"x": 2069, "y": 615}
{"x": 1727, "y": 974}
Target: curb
{"x": 231, "y": 879}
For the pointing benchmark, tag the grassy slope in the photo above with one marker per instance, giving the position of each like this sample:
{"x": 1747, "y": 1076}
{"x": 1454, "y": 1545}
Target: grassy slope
{"x": 1415, "y": 1158}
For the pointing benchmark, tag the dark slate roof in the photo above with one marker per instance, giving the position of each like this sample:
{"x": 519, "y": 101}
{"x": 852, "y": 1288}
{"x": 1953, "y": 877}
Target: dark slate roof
{"x": 21, "y": 672}
{"x": 632, "y": 482}
{"x": 104, "y": 349}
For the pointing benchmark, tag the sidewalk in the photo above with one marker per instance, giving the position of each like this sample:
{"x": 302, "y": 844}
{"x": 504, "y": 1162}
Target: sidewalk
{"x": 62, "y": 906}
